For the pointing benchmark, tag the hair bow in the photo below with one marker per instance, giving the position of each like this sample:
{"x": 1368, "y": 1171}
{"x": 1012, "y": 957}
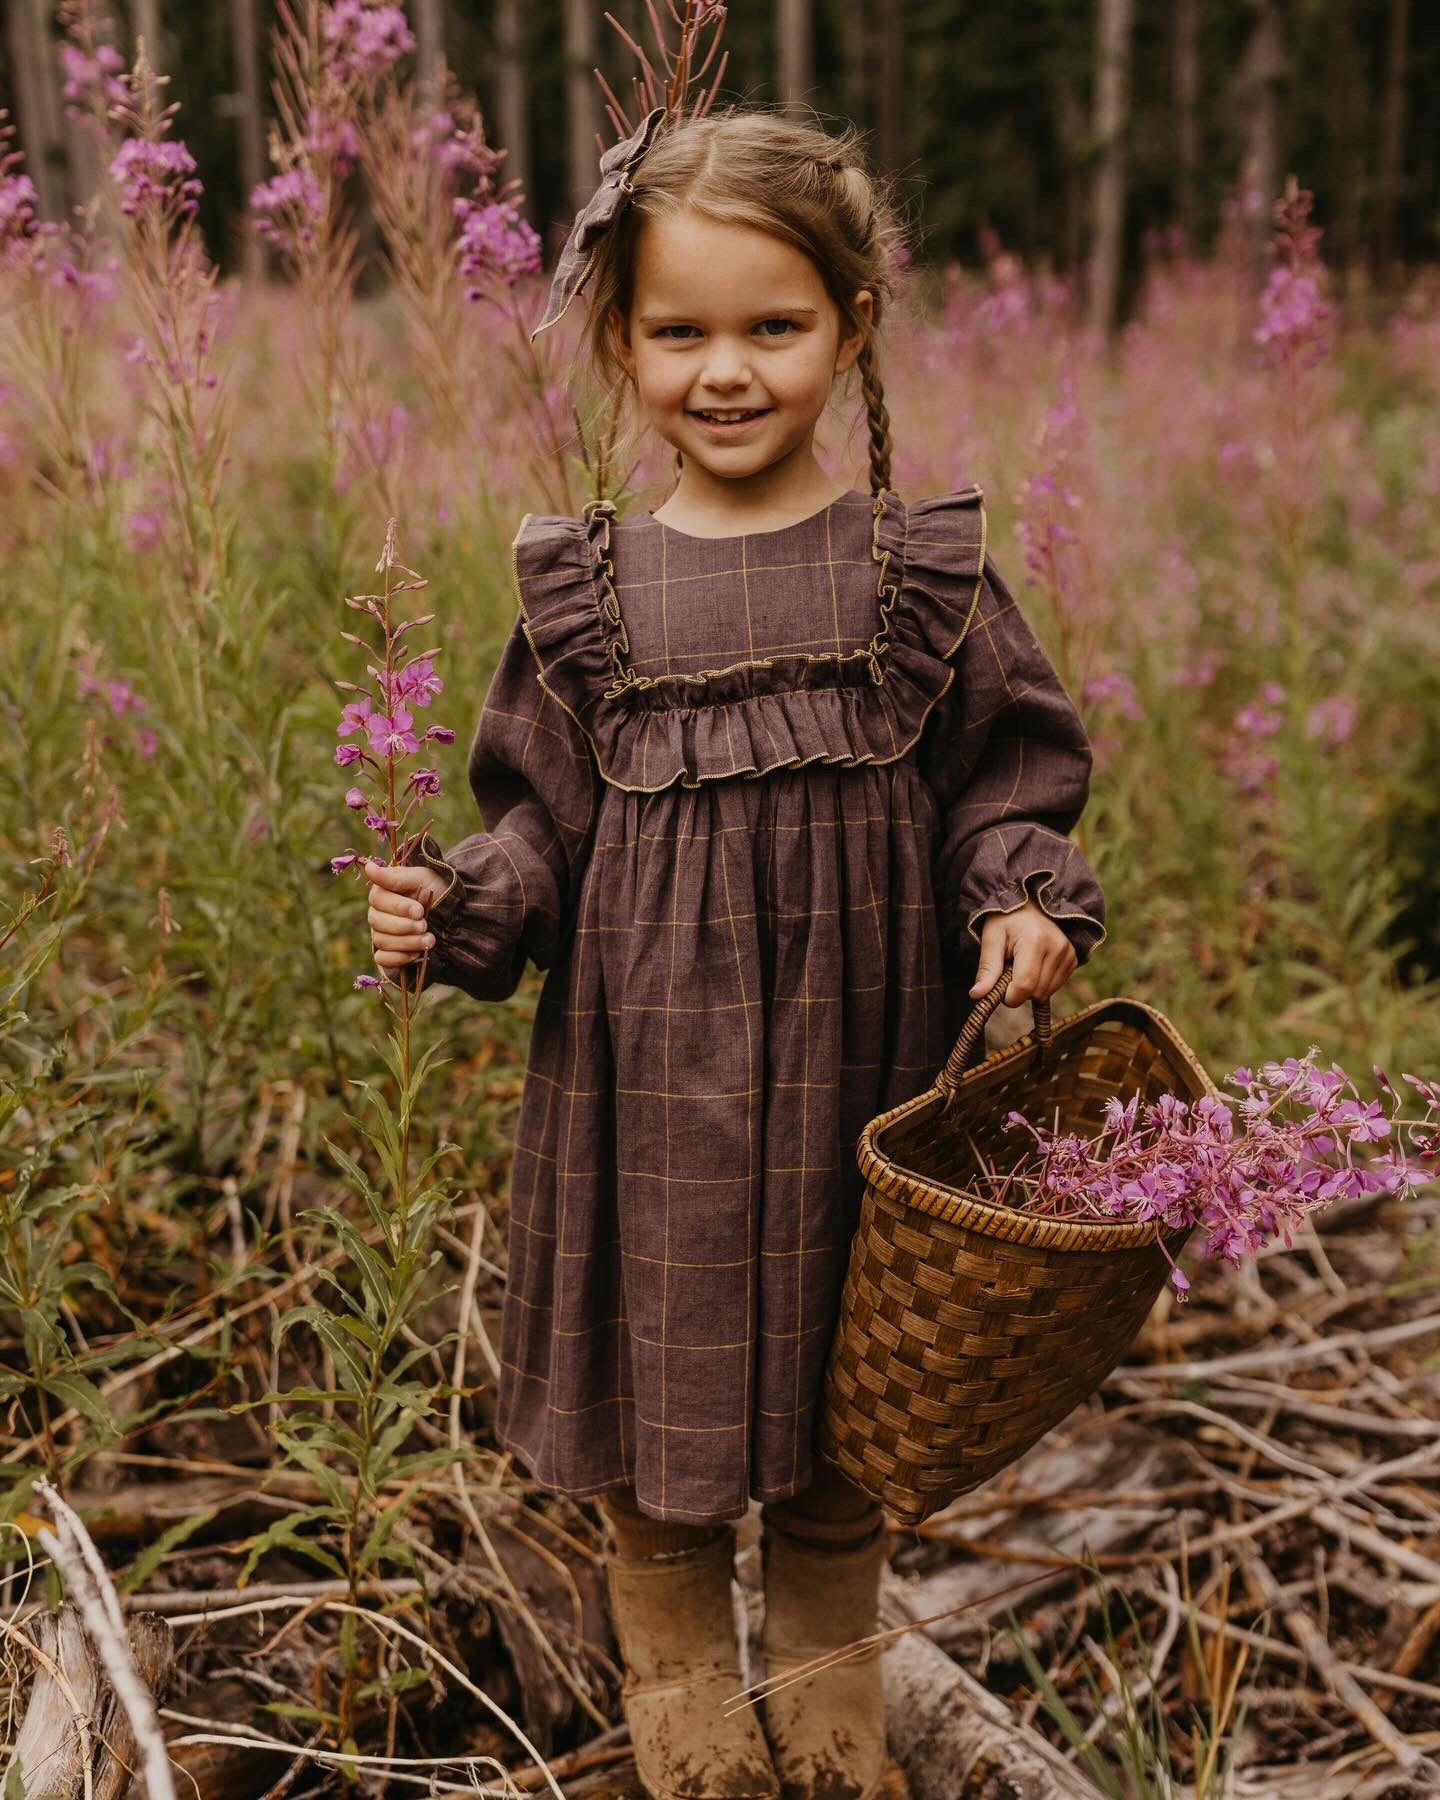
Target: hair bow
{"x": 596, "y": 217}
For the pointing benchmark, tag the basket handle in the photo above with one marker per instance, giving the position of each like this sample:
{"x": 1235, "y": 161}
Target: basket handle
{"x": 960, "y": 1057}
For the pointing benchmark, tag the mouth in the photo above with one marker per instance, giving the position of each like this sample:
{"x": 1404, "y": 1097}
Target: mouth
{"x": 730, "y": 421}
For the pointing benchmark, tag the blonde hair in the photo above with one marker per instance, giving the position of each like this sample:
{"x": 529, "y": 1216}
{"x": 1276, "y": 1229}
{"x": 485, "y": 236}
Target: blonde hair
{"x": 775, "y": 173}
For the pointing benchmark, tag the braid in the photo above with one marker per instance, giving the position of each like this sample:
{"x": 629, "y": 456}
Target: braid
{"x": 876, "y": 416}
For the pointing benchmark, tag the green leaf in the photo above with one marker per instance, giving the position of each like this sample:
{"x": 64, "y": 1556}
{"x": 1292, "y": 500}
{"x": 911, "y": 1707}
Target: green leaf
{"x": 153, "y": 1554}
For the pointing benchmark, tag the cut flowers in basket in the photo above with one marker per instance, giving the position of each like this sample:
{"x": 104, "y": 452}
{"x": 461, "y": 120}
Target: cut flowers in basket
{"x": 1296, "y": 1145}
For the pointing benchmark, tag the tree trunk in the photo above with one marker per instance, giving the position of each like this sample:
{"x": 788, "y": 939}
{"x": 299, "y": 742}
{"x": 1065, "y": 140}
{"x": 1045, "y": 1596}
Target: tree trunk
{"x": 252, "y": 131}
{"x": 1111, "y": 116}
{"x": 581, "y": 102}
{"x": 855, "y": 24}
{"x": 890, "y": 67}
{"x": 1186, "y": 71}
{"x": 794, "y": 28}
{"x": 513, "y": 93}
{"x": 37, "y": 102}
{"x": 1262, "y": 72}
{"x": 1070, "y": 133}
{"x": 1392, "y": 133}
{"x": 1349, "y": 107}
{"x": 145, "y": 20}
{"x": 429, "y": 43}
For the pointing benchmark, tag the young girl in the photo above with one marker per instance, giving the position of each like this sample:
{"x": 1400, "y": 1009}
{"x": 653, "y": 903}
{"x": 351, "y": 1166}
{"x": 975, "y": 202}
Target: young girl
{"x": 757, "y": 772}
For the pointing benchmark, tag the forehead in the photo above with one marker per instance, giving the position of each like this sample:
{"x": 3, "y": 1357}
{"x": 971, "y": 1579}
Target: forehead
{"x": 686, "y": 262}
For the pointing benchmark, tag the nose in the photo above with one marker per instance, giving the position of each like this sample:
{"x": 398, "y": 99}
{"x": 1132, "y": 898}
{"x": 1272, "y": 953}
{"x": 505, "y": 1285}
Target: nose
{"x": 726, "y": 369}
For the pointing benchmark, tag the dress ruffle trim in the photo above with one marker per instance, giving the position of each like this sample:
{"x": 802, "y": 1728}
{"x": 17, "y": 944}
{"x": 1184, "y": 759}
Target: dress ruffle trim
{"x": 865, "y": 705}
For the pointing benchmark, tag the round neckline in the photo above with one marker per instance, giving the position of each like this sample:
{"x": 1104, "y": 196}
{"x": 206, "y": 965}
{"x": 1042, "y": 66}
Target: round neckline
{"x": 734, "y": 537}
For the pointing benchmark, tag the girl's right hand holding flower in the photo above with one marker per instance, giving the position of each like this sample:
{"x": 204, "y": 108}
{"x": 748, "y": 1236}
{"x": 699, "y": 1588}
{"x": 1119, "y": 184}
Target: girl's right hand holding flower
{"x": 400, "y": 896}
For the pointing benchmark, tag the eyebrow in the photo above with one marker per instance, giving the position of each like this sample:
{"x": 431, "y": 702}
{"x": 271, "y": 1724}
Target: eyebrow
{"x": 807, "y": 312}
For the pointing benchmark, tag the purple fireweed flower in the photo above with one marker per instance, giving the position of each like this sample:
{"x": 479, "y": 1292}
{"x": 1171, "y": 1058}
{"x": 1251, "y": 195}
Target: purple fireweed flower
{"x": 354, "y": 715}
{"x": 391, "y": 735}
{"x": 426, "y": 781}
{"x": 378, "y": 822}
{"x": 494, "y": 240}
{"x": 439, "y": 734}
{"x": 417, "y": 683}
{"x": 147, "y": 740}
{"x": 345, "y": 754}
{"x": 1116, "y": 689}
{"x": 361, "y": 41}
{"x": 343, "y": 861}
{"x": 334, "y": 138}
{"x": 143, "y": 530}
{"x": 18, "y": 201}
{"x": 289, "y": 209}
{"x": 1331, "y": 720}
{"x": 91, "y": 78}
{"x": 355, "y": 798}
{"x": 367, "y": 981}
{"x": 1186, "y": 1165}
{"x": 160, "y": 171}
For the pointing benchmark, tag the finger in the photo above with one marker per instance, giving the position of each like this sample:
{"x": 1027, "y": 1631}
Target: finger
{"x": 402, "y": 905}
{"x": 393, "y": 959}
{"x": 1028, "y": 959}
{"x": 405, "y": 944}
{"x": 399, "y": 878}
{"x": 992, "y": 956}
{"x": 1051, "y": 976}
{"x": 399, "y": 933}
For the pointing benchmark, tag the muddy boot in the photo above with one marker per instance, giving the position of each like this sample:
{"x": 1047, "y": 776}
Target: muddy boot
{"x": 827, "y": 1731}
{"x": 674, "y": 1621}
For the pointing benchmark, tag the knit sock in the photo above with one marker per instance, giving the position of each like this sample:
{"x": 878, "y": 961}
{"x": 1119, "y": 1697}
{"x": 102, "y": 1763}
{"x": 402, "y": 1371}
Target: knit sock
{"x": 832, "y": 1513}
{"x": 637, "y": 1534}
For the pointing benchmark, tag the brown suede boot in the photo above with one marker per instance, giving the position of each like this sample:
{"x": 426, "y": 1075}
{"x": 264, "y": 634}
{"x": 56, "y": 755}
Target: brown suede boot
{"x": 827, "y": 1731}
{"x": 675, "y": 1623}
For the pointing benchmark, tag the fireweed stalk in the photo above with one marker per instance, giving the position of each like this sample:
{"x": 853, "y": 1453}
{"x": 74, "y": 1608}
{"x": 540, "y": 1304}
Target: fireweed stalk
{"x": 1185, "y": 1166}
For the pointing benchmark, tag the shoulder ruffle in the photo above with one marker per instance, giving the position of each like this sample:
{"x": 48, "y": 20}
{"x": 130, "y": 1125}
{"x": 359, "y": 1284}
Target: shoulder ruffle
{"x": 865, "y": 705}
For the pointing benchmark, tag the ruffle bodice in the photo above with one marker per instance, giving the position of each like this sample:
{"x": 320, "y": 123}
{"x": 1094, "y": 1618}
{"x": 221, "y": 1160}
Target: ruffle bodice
{"x": 780, "y": 711}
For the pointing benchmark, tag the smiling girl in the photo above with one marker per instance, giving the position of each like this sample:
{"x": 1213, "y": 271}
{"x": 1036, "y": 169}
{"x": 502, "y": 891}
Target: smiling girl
{"x": 759, "y": 774}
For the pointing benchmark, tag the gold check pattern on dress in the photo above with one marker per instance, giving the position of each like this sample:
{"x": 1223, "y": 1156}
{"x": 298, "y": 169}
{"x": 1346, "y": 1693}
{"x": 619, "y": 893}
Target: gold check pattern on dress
{"x": 754, "y": 880}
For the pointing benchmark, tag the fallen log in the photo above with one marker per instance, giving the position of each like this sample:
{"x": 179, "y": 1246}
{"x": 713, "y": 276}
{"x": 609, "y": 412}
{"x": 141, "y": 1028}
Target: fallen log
{"x": 74, "y": 1721}
{"x": 955, "y": 1740}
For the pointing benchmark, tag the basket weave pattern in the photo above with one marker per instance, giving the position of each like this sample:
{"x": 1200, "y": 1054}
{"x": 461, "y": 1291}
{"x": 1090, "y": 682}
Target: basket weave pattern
{"x": 967, "y": 1330}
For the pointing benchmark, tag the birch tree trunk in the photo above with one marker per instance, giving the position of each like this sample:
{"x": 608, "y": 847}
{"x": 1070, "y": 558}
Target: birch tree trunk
{"x": 582, "y": 110}
{"x": 145, "y": 21}
{"x": 1115, "y": 24}
{"x": 512, "y": 116}
{"x": 1186, "y": 76}
{"x": 1392, "y": 133}
{"x": 890, "y": 72}
{"x": 252, "y": 130}
{"x": 794, "y": 30}
{"x": 429, "y": 43}
{"x": 1262, "y": 72}
{"x": 855, "y": 24}
{"x": 37, "y": 102}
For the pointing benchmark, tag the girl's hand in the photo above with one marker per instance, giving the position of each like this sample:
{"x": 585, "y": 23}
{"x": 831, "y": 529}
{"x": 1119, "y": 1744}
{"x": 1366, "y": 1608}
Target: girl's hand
{"x": 1044, "y": 957}
{"x": 400, "y": 896}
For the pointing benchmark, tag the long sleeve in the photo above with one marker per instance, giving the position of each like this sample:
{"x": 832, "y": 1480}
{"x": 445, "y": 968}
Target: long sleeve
{"x": 1008, "y": 760}
{"x": 513, "y": 884}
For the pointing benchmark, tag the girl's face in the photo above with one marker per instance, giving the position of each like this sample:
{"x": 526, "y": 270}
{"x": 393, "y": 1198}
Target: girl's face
{"x": 729, "y": 320}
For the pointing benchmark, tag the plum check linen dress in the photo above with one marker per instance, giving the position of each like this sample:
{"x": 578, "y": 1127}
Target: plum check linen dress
{"x": 746, "y": 800}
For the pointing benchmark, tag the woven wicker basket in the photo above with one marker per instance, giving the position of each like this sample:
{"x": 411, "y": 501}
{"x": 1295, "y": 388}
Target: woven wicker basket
{"x": 967, "y": 1330}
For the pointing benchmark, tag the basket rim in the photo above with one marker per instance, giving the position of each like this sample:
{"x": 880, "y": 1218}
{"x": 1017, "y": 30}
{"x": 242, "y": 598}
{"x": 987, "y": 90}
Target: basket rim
{"x": 938, "y": 1200}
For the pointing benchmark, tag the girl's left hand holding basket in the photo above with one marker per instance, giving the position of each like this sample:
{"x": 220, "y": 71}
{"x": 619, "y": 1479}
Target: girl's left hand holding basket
{"x": 1043, "y": 956}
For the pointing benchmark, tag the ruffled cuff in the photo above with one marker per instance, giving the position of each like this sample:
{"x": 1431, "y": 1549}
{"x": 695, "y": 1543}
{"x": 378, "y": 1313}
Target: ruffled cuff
{"x": 476, "y": 922}
{"x": 1017, "y": 862}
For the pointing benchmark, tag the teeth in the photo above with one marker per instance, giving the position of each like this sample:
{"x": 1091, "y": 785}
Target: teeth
{"x": 729, "y": 418}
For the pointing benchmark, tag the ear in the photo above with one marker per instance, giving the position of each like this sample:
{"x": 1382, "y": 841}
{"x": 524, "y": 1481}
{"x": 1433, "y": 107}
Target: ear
{"x": 851, "y": 345}
{"x": 619, "y": 327}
